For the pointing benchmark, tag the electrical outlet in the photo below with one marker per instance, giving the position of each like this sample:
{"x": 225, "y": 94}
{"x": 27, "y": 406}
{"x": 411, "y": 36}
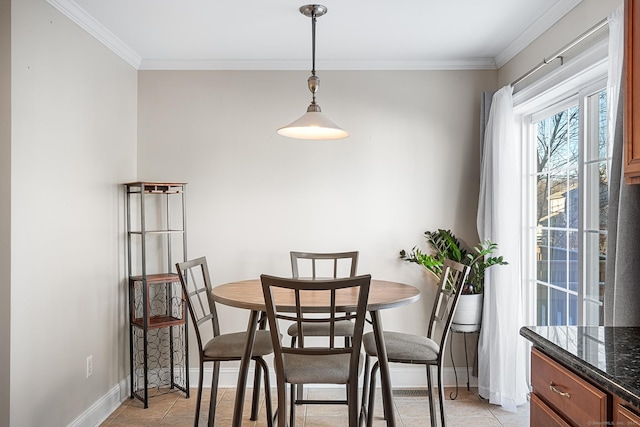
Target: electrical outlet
{"x": 89, "y": 366}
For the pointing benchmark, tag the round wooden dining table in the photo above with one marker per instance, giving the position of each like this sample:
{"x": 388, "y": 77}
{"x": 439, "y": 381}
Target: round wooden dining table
{"x": 247, "y": 294}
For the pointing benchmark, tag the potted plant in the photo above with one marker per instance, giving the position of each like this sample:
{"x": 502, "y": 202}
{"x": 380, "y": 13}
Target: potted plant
{"x": 445, "y": 245}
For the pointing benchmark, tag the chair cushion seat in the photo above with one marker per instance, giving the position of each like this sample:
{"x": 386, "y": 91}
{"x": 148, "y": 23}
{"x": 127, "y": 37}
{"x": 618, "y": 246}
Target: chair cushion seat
{"x": 231, "y": 346}
{"x": 318, "y": 369}
{"x": 343, "y": 328}
{"x": 403, "y": 348}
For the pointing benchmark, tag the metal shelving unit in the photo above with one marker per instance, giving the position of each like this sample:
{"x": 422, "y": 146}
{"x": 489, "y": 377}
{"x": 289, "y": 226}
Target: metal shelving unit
{"x": 156, "y": 240}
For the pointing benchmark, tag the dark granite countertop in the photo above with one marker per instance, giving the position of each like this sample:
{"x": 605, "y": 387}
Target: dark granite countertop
{"x": 608, "y": 356}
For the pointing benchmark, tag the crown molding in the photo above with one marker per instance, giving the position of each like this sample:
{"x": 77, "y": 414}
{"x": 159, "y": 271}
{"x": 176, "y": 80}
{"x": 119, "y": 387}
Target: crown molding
{"x": 71, "y": 10}
{"x": 77, "y": 14}
{"x": 535, "y": 30}
{"x": 466, "y": 64}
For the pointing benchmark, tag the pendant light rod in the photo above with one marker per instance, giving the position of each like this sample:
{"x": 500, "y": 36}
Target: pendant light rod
{"x": 313, "y": 11}
{"x": 313, "y": 43}
{"x": 313, "y": 82}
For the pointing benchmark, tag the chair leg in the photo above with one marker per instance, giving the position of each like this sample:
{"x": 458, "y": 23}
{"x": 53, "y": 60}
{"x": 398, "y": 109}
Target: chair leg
{"x": 441, "y": 393}
{"x": 365, "y": 389}
{"x": 432, "y": 409}
{"x": 299, "y": 393}
{"x": 353, "y": 389}
{"x": 372, "y": 395}
{"x": 267, "y": 390}
{"x": 255, "y": 401}
{"x": 199, "y": 398}
{"x": 292, "y": 416}
{"x": 299, "y": 389}
{"x": 214, "y": 394}
{"x": 282, "y": 402}
{"x": 352, "y": 401}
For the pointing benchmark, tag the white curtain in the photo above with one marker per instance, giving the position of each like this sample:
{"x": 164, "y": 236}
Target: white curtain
{"x": 502, "y": 352}
{"x": 614, "y": 79}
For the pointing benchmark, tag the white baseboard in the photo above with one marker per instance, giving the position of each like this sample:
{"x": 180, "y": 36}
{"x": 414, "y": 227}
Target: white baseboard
{"x": 100, "y": 410}
{"x": 402, "y": 377}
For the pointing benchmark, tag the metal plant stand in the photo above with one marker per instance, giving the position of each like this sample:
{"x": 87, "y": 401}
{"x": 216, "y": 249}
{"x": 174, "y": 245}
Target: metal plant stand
{"x": 464, "y": 330}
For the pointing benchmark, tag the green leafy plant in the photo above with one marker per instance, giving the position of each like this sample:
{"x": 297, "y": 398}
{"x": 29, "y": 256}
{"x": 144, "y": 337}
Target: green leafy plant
{"x": 445, "y": 245}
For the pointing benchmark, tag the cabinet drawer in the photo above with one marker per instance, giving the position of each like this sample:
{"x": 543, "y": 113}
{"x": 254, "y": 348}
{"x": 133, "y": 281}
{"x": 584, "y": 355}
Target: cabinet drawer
{"x": 625, "y": 414}
{"x": 543, "y": 416}
{"x": 569, "y": 395}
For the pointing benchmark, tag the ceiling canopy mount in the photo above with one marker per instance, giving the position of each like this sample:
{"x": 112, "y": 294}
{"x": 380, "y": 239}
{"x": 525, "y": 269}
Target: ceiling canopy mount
{"x": 311, "y": 10}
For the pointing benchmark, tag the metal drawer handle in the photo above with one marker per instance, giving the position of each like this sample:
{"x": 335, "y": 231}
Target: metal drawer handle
{"x": 554, "y": 389}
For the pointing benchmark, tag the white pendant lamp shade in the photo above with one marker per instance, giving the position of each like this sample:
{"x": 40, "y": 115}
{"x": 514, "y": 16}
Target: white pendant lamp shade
{"x": 313, "y": 124}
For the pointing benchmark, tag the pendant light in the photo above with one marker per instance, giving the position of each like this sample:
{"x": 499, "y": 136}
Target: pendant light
{"x": 313, "y": 124}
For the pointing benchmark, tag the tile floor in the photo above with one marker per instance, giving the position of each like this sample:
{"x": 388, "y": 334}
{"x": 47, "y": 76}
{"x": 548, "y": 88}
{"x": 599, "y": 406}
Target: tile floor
{"x": 412, "y": 410}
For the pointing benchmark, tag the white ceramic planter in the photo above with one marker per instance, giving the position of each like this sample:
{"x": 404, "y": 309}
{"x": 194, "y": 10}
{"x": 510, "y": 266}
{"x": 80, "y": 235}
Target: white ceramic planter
{"x": 468, "y": 315}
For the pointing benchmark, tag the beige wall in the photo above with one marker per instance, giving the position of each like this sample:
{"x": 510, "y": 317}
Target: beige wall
{"x": 5, "y": 207}
{"x": 73, "y": 145}
{"x": 580, "y": 19}
{"x": 410, "y": 164}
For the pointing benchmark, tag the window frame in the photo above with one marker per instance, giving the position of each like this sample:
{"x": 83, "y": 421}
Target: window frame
{"x": 581, "y": 99}
{"x": 557, "y": 87}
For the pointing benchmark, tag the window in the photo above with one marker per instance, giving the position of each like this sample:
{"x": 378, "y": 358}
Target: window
{"x": 568, "y": 183}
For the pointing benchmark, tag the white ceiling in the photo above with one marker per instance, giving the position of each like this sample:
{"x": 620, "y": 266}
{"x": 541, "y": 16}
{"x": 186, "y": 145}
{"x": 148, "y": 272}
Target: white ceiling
{"x": 354, "y": 34}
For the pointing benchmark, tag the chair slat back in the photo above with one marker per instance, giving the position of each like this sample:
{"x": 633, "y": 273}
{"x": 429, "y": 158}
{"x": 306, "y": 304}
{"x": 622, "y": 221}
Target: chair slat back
{"x": 320, "y": 290}
{"x": 329, "y": 264}
{"x": 451, "y": 280}
{"x": 196, "y": 287}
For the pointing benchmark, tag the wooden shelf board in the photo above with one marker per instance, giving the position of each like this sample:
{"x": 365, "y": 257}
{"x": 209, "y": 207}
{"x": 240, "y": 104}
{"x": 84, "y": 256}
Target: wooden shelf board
{"x": 158, "y": 321}
{"x": 157, "y": 278}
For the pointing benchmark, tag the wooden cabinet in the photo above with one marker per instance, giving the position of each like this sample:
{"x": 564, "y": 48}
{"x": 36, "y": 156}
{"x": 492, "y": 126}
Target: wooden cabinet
{"x": 562, "y": 398}
{"x": 625, "y": 414}
{"x": 632, "y": 92}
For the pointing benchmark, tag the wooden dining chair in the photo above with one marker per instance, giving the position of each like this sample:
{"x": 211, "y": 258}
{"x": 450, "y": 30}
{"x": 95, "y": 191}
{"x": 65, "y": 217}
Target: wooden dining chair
{"x": 418, "y": 349}
{"x": 316, "y": 265}
{"x": 324, "y": 362}
{"x": 196, "y": 286}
